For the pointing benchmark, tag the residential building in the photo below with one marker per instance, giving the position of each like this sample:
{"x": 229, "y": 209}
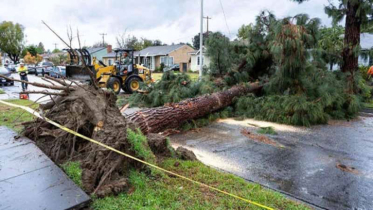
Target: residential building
{"x": 195, "y": 60}
{"x": 153, "y": 56}
{"x": 100, "y": 52}
{"x": 366, "y": 44}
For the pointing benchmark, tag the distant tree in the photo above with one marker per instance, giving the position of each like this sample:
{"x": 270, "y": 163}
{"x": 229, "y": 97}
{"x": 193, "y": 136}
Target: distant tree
{"x": 56, "y": 51}
{"x": 133, "y": 43}
{"x": 146, "y": 43}
{"x": 157, "y": 42}
{"x": 40, "y": 48}
{"x": 219, "y": 52}
{"x": 32, "y": 49}
{"x": 331, "y": 42}
{"x": 59, "y": 59}
{"x": 69, "y": 32}
{"x": 100, "y": 44}
{"x": 31, "y": 59}
{"x": 11, "y": 39}
{"x": 244, "y": 31}
{"x": 195, "y": 39}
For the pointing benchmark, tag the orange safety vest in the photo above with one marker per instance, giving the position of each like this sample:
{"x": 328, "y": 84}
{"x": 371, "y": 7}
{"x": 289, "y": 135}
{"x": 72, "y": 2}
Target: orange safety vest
{"x": 370, "y": 71}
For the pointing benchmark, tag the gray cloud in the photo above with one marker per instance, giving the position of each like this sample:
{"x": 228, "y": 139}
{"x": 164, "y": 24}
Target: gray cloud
{"x": 168, "y": 20}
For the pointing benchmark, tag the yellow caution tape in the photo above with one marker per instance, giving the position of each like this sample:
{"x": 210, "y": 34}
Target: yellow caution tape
{"x": 35, "y": 113}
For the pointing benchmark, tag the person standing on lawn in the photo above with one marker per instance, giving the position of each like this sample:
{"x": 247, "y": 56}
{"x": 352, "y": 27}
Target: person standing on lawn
{"x": 23, "y": 71}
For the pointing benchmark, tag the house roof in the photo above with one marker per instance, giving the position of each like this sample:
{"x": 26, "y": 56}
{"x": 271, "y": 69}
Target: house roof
{"x": 196, "y": 52}
{"x": 109, "y": 55}
{"x": 366, "y": 41}
{"x": 95, "y": 49}
{"x": 159, "y": 50}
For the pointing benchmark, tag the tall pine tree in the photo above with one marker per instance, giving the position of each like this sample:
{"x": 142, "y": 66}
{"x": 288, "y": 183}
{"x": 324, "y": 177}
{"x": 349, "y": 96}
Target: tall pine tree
{"x": 358, "y": 15}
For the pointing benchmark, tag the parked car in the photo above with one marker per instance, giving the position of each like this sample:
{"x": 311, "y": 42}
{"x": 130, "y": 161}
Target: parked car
{"x": 31, "y": 69}
{"x": 44, "y": 68}
{"x": 174, "y": 67}
{"x": 6, "y": 72}
{"x": 58, "y": 71}
{"x": 11, "y": 67}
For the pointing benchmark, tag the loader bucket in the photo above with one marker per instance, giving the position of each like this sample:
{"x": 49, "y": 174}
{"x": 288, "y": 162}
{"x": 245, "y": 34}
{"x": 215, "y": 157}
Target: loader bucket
{"x": 79, "y": 73}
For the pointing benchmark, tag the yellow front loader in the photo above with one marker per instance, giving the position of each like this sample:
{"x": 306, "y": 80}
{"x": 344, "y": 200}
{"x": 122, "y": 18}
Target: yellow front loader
{"x": 116, "y": 77}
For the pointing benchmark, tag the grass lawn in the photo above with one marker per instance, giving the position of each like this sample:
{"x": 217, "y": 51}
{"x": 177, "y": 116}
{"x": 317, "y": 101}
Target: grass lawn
{"x": 158, "y": 76}
{"x": 164, "y": 192}
{"x": 2, "y": 91}
{"x": 369, "y": 105}
{"x": 13, "y": 117}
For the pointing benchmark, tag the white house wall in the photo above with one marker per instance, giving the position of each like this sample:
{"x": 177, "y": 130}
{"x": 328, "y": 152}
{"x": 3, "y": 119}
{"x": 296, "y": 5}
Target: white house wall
{"x": 193, "y": 62}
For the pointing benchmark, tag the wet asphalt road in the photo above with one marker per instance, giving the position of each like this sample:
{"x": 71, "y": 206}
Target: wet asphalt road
{"x": 305, "y": 167}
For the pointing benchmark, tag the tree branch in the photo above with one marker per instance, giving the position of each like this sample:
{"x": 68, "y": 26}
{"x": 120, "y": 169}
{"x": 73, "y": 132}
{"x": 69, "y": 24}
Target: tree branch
{"x": 43, "y": 92}
{"x": 38, "y": 84}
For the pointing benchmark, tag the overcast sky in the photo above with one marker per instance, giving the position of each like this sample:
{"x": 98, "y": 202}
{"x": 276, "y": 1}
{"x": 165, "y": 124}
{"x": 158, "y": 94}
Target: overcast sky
{"x": 171, "y": 21}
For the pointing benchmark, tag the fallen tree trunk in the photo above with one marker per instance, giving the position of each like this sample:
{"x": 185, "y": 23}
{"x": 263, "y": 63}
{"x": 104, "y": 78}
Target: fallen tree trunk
{"x": 93, "y": 113}
{"x": 154, "y": 120}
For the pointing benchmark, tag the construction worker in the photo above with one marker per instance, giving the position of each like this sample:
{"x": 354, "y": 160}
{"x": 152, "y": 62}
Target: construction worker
{"x": 23, "y": 71}
{"x": 126, "y": 62}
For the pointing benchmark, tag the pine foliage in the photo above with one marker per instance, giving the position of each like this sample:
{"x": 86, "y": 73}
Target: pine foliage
{"x": 302, "y": 91}
{"x": 172, "y": 88}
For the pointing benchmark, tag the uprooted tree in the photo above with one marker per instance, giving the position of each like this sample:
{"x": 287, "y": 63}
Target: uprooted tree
{"x": 92, "y": 111}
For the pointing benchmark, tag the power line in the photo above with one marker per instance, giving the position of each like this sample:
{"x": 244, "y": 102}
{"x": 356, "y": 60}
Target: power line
{"x": 226, "y": 23}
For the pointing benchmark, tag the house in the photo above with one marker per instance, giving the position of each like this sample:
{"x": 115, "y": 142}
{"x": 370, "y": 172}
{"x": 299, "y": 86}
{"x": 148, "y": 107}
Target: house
{"x": 153, "y": 56}
{"x": 366, "y": 44}
{"x": 195, "y": 59}
{"x": 100, "y": 52}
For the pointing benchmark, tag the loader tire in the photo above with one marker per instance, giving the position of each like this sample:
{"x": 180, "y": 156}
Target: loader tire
{"x": 114, "y": 84}
{"x": 133, "y": 84}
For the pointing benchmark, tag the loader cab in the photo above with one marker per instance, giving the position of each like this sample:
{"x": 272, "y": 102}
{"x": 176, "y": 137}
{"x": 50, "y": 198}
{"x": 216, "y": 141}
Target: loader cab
{"x": 125, "y": 69}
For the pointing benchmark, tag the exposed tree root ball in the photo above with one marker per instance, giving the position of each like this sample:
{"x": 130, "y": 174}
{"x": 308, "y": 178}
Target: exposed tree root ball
{"x": 91, "y": 112}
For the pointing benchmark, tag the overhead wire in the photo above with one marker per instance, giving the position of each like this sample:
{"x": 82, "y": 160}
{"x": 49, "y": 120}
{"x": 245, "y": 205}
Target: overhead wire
{"x": 225, "y": 18}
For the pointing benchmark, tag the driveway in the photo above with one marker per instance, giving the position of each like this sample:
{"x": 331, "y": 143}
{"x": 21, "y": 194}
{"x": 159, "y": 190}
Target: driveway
{"x": 329, "y": 166}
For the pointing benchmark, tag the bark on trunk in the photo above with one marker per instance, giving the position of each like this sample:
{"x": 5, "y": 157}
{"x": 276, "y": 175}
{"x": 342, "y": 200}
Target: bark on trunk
{"x": 170, "y": 116}
{"x": 351, "y": 41}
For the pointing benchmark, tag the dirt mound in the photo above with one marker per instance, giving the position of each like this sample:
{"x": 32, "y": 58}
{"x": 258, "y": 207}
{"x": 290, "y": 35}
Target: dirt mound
{"x": 160, "y": 145}
{"x": 185, "y": 154}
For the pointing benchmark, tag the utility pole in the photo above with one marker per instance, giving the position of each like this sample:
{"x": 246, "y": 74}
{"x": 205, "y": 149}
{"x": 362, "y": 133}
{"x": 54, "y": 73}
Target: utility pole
{"x": 207, "y": 20}
{"x": 201, "y": 43}
{"x": 103, "y": 38}
{"x": 55, "y": 45}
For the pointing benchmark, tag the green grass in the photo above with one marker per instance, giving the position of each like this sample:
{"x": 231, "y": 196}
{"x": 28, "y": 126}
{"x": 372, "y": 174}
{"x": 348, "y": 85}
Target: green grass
{"x": 140, "y": 145}
{"x": 369, "y": 105}
{"x": 2, "y": 91}
{"x": 175, "y": 193}
{"x": 158, "y": 76}
{"x": 74, "y": 172}
{"x": 13, "y": 117}
{"x": 267, "y": 130}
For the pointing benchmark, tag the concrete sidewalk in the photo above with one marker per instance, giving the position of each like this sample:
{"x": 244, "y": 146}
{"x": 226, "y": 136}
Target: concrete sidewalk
{"x": 30, "y": 180}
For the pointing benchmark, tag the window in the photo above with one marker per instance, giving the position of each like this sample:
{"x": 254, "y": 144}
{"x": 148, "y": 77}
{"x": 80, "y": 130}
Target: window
{"x": 167, "y": 60}
{"x": 110, "y": 62}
